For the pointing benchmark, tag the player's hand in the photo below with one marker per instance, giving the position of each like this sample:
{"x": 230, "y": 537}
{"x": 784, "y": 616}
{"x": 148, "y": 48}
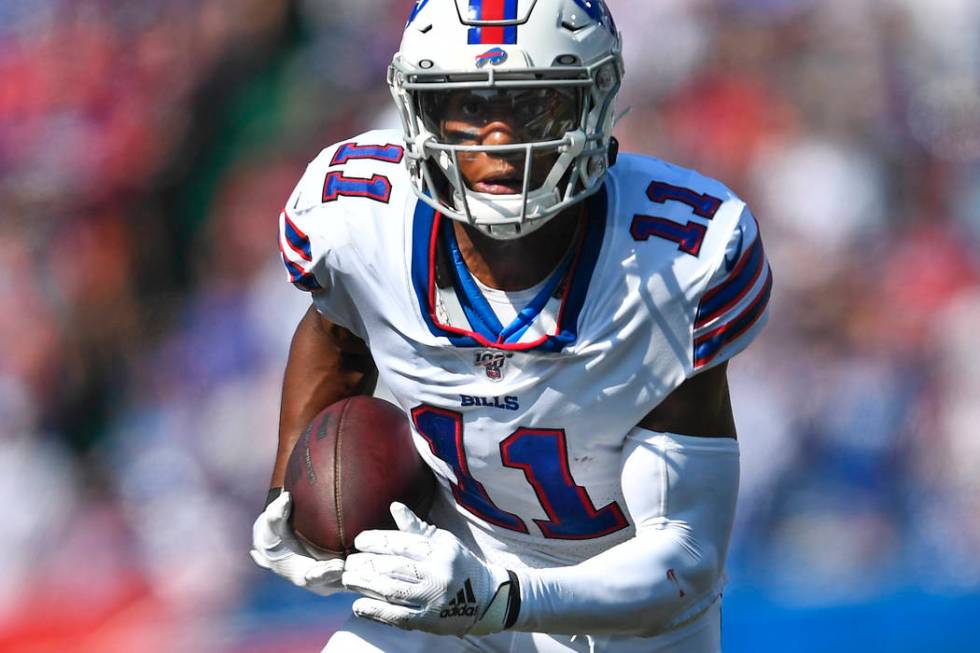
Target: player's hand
{"x": 275, "y": 547}
{"x": 423, "y": 578}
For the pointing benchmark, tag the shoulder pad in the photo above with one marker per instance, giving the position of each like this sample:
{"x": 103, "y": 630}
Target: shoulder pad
{"x": 362, "y": 167}
{"x": 733, "y": 305}
{"x": 341, "y": 191}
{"x": 694, "y": 230}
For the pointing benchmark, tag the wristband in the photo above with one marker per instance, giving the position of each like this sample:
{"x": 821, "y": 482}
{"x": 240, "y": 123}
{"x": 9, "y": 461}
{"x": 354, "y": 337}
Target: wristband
{"x": 513, "y": 601}
{"x": 272, "y": 495}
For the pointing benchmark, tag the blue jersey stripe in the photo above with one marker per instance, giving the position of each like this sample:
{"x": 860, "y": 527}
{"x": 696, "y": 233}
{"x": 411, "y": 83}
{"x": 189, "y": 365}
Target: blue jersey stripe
{"x": 299, "y": 277}
{"x": 724, "y": 296}
{"x": 706, "y": 348}
{"x": 582, "y": 275}
{"x": 423, "y": 225}
{"x": 299, "y": 242}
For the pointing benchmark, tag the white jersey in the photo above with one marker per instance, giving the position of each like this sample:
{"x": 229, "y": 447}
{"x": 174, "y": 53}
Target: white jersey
{"x": 524, "y": 423}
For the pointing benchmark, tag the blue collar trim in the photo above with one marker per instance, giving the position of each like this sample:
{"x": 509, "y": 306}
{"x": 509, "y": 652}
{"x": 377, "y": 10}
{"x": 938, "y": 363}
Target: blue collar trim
{"x": 478, "y": 310}
{"x": 489, "y": 332}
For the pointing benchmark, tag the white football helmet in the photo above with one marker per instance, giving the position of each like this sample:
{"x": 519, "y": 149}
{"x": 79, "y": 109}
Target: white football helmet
{"x": 553, "y": 67}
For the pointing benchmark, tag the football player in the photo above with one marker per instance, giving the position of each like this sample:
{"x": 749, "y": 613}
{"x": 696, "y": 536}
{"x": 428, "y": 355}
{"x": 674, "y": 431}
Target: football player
{"x": 556, "y": 319}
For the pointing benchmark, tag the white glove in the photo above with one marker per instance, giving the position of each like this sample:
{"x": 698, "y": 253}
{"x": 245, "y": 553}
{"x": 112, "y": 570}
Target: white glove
{"x": 422, "y": 578}
{"x": 275, "y": 547}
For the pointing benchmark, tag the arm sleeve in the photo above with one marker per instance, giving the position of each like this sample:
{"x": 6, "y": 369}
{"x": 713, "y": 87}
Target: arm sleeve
{"x": 733, "y": 308}
{"x": 680, "y": 492}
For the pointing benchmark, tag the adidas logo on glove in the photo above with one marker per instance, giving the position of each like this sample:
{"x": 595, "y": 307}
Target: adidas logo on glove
{"x": 464, "y": 605}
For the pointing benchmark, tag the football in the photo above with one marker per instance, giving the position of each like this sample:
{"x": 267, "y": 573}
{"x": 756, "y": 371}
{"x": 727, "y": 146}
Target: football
{"x": 349, "y": 464}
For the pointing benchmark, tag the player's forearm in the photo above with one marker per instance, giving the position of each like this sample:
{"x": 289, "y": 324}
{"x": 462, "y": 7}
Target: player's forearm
{"x": 326, "y": 364}
{"x": 681, "y": 494}
{"x": 631, "y": 589}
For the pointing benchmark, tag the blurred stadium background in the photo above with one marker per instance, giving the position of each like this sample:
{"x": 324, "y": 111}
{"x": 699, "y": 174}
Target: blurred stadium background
{"x": 146, "y": 147}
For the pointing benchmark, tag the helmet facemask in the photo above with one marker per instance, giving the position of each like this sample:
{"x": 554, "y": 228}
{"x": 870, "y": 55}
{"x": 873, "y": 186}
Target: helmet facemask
{"x": 561, "y": 123}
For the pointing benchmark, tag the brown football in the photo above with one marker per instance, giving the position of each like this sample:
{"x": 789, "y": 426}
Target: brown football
{"x": 350, "y": 463}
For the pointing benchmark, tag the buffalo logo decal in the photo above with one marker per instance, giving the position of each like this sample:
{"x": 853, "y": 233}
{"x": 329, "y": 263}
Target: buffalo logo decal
{"x": 493, "y": 57}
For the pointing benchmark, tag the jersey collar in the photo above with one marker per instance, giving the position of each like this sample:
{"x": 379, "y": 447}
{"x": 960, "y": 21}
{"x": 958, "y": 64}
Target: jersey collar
{"x": 485, "y": 330}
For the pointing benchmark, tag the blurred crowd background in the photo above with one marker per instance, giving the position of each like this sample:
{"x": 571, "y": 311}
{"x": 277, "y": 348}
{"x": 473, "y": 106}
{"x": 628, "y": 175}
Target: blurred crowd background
{"x": 146, "y": 148}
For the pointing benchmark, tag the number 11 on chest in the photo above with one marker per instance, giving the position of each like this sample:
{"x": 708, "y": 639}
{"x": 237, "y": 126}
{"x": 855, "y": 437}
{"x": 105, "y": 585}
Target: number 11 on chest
{"x": 542, "y": 454}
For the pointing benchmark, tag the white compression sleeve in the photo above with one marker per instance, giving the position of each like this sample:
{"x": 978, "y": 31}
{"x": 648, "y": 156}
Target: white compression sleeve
{"x": 680, "y": 492}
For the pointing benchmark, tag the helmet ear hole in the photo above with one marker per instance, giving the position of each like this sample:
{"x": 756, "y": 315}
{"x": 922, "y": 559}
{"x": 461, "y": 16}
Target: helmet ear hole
{"x": 443, "y": 187}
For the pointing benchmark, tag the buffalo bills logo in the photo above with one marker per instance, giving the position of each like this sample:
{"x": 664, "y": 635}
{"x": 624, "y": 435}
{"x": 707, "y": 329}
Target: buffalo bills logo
{"x": 493, "y": 362}
{"x": 493, "y": 57}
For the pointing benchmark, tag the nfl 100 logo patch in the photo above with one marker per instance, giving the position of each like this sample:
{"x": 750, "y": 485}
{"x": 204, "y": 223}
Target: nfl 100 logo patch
{"x": 493, "y": 363}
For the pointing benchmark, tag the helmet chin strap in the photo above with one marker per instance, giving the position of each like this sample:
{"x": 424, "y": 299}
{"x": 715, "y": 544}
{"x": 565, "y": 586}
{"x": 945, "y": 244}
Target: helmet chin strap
{"x": 499, "y": 216}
